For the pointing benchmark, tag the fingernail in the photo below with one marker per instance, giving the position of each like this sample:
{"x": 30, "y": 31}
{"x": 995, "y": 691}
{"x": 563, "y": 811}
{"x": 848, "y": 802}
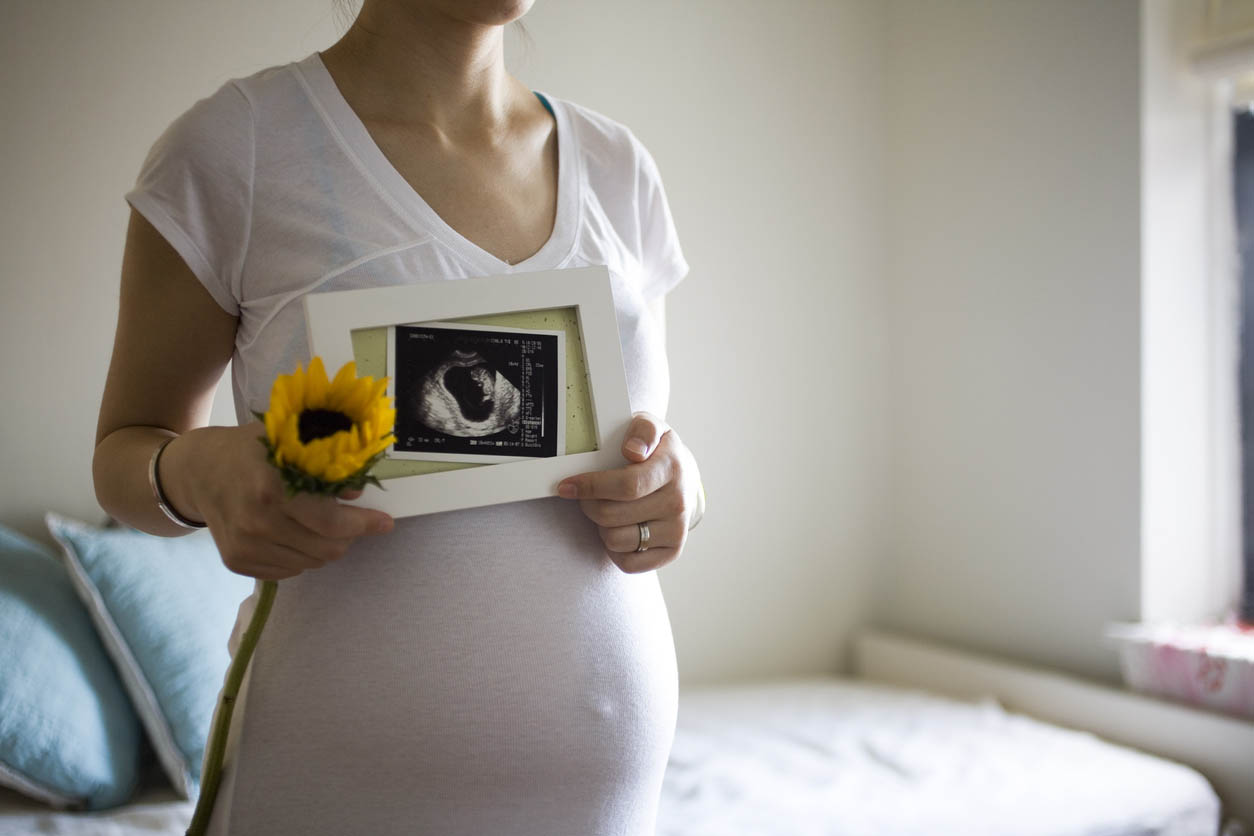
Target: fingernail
{"x": 567, "y": 490}
{"x": 635, "y": 445}
{"x": 383, "y": 526}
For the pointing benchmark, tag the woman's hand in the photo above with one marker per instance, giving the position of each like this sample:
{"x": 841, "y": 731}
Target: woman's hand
{"x": 659, "y": 488}
{"x": 220, "y": 475}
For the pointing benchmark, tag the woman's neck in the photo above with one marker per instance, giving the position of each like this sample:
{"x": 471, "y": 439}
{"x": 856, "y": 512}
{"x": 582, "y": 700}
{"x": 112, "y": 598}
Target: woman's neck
{"x": 416, "y": 66}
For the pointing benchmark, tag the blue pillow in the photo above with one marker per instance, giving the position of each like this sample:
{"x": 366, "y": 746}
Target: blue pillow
{"x": 68, "y": 734}
{"x": 164, "y": 608}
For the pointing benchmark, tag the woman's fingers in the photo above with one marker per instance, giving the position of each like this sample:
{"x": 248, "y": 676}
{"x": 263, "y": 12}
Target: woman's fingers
{"x": 633, "y": 563}
{"x": 260, "y": 531}
{"x": 664, "y": 503}
{"x": 661, "y": 465}
{"x": 263, "y": 558}
{"x": 654, "y": 487}
{"x": 625, "y": 539}
{"x": 328, "y": 518}
{"x": 292, "y": 535}
{"x": 621, "y": 484}
{"x": 642, "y": 436}
{"x": 275, "y": 543}
{"x": 263, "y": 571}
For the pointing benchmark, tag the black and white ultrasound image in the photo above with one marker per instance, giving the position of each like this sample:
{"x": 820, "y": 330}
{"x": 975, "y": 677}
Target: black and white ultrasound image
{"x": 475, "y": 393}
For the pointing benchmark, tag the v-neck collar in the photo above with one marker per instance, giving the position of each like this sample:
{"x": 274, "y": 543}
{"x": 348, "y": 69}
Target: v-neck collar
{"x": 356, "y": 141}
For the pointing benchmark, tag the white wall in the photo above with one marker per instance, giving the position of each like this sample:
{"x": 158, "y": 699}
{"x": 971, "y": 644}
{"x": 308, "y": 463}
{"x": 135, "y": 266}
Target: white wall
{"x": 767, "y": 124}
{"x": 88, "y": 88}
{"x": 1013, "y": 175}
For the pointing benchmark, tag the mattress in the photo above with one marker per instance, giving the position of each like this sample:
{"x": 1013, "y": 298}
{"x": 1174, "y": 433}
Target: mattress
{"x": 812, "y": 756}
{"x": 806, "y": 757}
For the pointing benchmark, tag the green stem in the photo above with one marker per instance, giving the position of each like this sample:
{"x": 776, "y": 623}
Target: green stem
{"x": 212, "y": 776}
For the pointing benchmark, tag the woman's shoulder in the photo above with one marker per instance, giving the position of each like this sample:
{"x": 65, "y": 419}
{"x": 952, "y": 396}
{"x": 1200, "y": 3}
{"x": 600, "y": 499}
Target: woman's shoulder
{"x": 221, "y": 132}
{"x": 607, "y": 145}
{"x": 595, "y": 126}
{"x": 602, "y": 133}
{"x": 622, "y": 174}
{"x": 238, "y": 100}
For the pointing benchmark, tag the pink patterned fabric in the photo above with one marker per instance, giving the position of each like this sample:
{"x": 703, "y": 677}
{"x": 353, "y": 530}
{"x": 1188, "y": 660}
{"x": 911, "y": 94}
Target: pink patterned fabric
{"x": 1210, "y": 666}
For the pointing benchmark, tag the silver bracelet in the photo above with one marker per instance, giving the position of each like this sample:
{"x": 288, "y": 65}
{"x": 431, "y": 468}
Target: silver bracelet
{"x": 162, "y": 503}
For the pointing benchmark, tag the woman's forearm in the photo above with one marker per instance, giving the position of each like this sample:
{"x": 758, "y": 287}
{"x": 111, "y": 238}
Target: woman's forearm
{"x": 120, "y": 474}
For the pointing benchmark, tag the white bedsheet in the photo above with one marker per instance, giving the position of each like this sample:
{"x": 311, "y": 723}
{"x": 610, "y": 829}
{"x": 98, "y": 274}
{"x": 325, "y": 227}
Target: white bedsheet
{"x": 156, "y": 811}
{"x": 831, "y": 756}
{"x": 805, "y": 757}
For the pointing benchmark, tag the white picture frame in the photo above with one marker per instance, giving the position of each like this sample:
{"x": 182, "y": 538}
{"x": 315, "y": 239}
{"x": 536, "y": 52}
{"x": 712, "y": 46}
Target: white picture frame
{"x": 332, "y": 317}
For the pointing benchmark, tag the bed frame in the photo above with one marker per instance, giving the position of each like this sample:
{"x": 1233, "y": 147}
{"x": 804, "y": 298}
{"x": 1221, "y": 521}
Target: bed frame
{"x": 1218, "y": 746}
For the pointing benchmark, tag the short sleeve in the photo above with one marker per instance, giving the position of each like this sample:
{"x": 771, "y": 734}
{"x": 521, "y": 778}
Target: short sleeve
{"x": 660, "y": 253}
{"x": 195, "y": 188}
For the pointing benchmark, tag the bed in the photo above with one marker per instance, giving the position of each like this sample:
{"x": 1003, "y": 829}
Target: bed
{"x": 827, "y": 755}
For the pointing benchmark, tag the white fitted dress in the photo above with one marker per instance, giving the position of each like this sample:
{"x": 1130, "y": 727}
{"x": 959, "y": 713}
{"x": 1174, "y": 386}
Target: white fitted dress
{"x": 474, "y": 672}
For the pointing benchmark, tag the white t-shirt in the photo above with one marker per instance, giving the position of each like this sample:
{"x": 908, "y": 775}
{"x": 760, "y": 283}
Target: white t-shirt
{"x": 272, "y": 188}
{"x": 480, "y": 671}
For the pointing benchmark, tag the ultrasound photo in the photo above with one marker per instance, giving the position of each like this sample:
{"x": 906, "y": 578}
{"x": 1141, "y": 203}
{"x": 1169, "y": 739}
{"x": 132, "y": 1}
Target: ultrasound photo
{"x": 477, "y": 393}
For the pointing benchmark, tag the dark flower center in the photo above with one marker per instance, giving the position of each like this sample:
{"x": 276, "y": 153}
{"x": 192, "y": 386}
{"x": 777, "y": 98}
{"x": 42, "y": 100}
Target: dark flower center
{"x": 320, "y": 423}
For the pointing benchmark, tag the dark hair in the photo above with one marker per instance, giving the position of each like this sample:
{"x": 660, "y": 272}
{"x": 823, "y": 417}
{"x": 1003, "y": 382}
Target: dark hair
{"x": 524, "y": 37}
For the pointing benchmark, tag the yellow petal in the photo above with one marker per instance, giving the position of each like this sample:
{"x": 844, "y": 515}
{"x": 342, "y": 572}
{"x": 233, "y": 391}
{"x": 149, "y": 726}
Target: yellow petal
{"x": 341, "y": 444}
{"x": 342, "y": 387}
{"x": 377, "y": 446}
{"x": 387, "y": 420}
{"x": 356, "y": 404}
{"x": 379, "y": 387}
{"x": 272, "y": 427}
{"x": 317, "y": 458}
{"x": 278, "y": 405}
{"x": 290, "y": 449}
{"x": 278, "y": 402}
{"x": 316, "y": 386}
{"x": 352, "y": 444}
{"x": 294, "y": 389}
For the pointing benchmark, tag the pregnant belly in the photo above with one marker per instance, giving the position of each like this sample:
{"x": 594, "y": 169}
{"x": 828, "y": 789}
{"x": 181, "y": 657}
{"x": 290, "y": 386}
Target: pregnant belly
{"x": 478, "y": 671}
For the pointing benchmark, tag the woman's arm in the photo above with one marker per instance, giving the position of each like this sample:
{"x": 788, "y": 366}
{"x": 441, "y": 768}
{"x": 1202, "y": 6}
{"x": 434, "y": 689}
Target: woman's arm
{"x": 172, "y": 343}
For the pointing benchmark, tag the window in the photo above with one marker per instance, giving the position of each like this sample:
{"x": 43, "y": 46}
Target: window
{"x": 1243, "y": 188}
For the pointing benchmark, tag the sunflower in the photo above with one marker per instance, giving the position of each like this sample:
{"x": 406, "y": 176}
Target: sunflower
{"x": 325, "y": 436}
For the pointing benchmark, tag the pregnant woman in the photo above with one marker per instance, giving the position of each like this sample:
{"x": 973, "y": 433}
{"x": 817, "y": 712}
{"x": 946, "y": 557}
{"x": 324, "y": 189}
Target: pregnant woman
{"x": 499, "y": 670}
